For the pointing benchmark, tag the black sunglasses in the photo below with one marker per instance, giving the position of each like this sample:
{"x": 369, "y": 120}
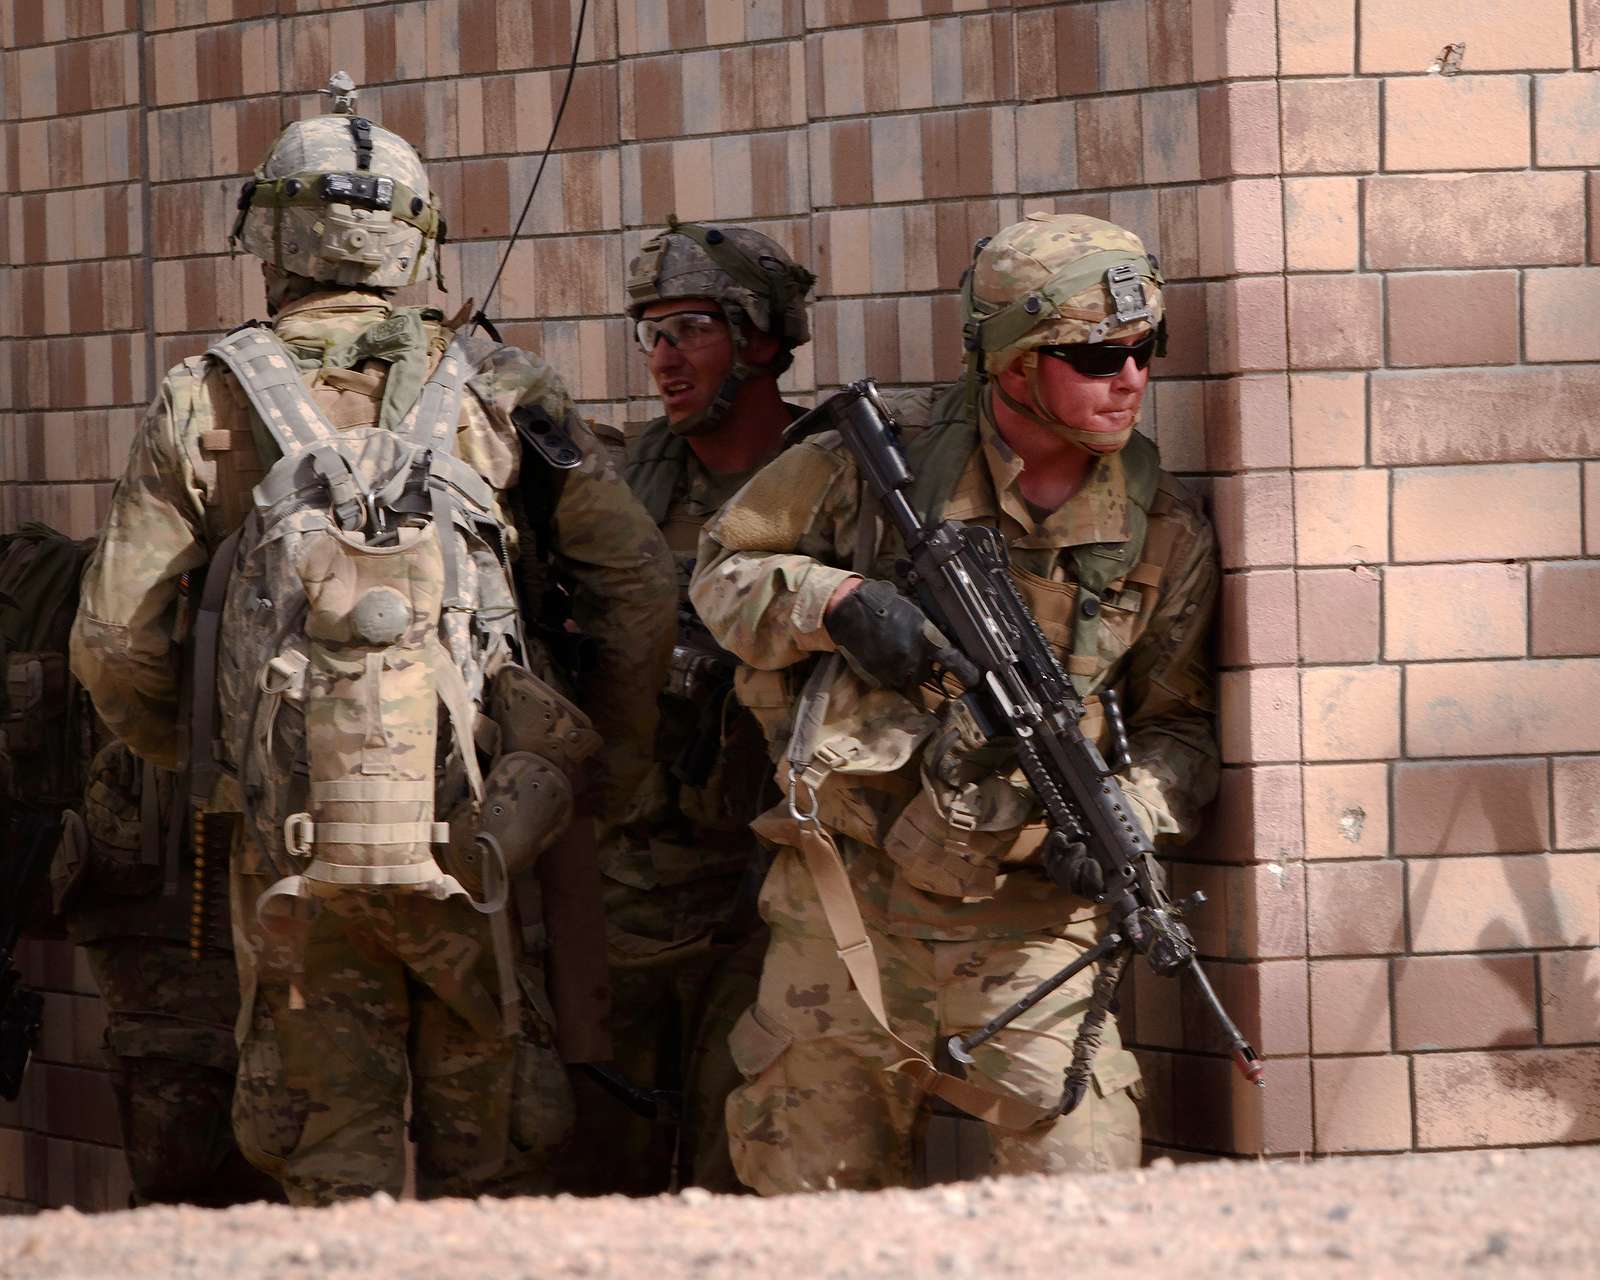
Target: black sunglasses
{"x": 1102, "y": 359}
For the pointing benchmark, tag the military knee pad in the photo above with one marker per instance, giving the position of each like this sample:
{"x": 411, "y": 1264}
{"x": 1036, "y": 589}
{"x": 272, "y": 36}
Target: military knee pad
{"x": 527, "y": 807}
{"x": 534, "y": 718}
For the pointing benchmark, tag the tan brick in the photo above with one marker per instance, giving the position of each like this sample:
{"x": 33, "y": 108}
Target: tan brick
{"x": 1463, "y": 1002}
{"x": 1241, "y": 227}
{"x": 1513, "y": 902}
{"x": 1568, "y": 107}
{"x": 1456, "y": 122}
{"x": 1513, "y": 1097}
{"x": 1335, "y": 321}
{"x": 1259, "y": 715}
{"x": 1552, "y": 409}
{"x": 1239, "y": 130}
{"x": 1266, "y": 910}
{"x": 1257, "y": 817}
{"x": 1591, "y": 507}
{"x": 1322, "y": 228}
{"x": 1328, "y": 419}
{"x": 1474, "y": 220}
{"x": 1350, "y": 1006}
{"x": 1245, "y": 325}
{"x": 1456, "y": 806}
{"x": 1254, "y": 519}
{"x": 1355, "y": 908}
{"x": 1340, "y": 611}
{"x": 1404, "y": 35}
{"x": 1330, "y": 126}
{"x": 1257, "y": 625}
{"x": 1569, "y": 991}
{"x": 1566, "y": 608}
{"x": 1350, "y": 713}
{"x": 1454, "y": 611}
{"x": 1247, "y": 422}
{"x": 1346, "y": 810}
{"x": 1275, "y": 1121}
{"x": 1363, "y": 1104}
{"x": 1316, "y": 38}
{"x": 1576, "y": 783}
{"x": 1528, "y": 707}
{"x": 1341, "y": 517}
{"x": 1589, "y": 33}
{"x": 1047, "y": 146}
{"x": 1457, "y": 318}
{"x": 1561, "y": 311}
{"x": 1481, "y": 513}
{"x": 1171, "y": 128}
{"x": 1180, "y": 422}
{"x": 1267, "y": 1000}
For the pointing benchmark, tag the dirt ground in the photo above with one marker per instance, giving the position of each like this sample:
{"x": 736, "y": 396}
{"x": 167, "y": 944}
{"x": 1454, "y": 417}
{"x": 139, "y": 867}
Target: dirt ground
{"x": 1521, "y": 1213}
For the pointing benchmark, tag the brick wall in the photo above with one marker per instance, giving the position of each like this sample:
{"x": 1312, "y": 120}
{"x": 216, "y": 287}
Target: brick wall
{"x": 1386, "y": 354}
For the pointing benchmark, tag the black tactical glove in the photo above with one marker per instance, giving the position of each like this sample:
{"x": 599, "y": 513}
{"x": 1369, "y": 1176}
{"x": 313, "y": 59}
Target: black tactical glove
{"x": 1069, "y": 864}
{"x": 885, "y": 637}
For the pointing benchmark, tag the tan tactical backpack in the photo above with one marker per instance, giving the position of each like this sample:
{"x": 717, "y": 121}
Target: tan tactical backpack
{"x": 370, "y": 588}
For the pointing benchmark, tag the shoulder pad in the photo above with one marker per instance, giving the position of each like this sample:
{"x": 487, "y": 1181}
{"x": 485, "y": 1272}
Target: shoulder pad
{"x": 546, "y": 437}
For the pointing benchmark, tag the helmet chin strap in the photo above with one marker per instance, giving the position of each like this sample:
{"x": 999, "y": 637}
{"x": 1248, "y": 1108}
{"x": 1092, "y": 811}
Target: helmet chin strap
{"x": 704, "y": 421}
{"x": 1039, "y": 415}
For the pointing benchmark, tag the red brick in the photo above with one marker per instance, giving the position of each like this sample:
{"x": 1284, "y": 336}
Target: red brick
{"x": 1577, "y": 803}
{"x": 1355, "y": 908}
{"x": 1456, "y": 122}
{"x": 1403, "y": 35}
{"x": 1474, "y": 220}
{"x": 1566, "y": 608}
{"x": 1481, "y": 513}
{"x": 1346, "y": 810}
{"x": 1330, "y": 126}
{"x": 1503, "y": 708}
{"x": 1513, "y": 902}
{"x": 1363, "y": 1104}
{"x": 1259, "y": 715}
{"x": 1254, "y": 519}
{"x": 1567, "y": 108}
{"x": 1341, "y": 517}
{"x": 1258, "y": 619}
{"x": 1340, "y": 610}
{"x": 1328, "y": 419}
{"x": 1463, "y": 1002}
{"x": 1335, "y": 321}
{"x": 1110, "y": 142}
{"x": 1350, "y": 1006}
{"x": 1561, "y": 312}
{"x": 1455, "y": 611}
{"x": 1350, "y": 713}
{"x": 1552, "y": 410}
{"x": 1456, "y": 806}
{"x": 1257, "y": 817}
{"x": 1457, "y": 318}
{"x": 1316, "y": 38}
{"x": 1514, "y": 1097}
{"x": 1569, "y": 987}
{"x": 1322, "y": 228}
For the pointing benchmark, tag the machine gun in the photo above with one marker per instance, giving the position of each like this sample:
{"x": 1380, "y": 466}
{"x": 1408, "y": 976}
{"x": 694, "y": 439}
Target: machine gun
{"x": 1013, "y": 690}
{"x": 30, "y": 835}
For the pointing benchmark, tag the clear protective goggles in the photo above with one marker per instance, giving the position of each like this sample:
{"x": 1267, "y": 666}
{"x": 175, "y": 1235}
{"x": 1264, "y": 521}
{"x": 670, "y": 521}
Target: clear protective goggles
{"x": 685, "y": 330}
{"x": 1102, "y": 359}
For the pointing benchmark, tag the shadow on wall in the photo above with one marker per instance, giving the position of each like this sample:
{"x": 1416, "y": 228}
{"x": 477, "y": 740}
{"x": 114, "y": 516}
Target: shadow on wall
{"x": 1525, "y": 905}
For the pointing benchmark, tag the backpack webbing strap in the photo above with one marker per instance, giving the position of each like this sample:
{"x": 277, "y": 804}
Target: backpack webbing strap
{"x": 435, "y": 414}
{"x": 270, "y": 380}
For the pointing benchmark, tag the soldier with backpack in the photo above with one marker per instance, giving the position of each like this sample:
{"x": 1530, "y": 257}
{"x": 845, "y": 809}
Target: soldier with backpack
{"x": 305, "y": 600}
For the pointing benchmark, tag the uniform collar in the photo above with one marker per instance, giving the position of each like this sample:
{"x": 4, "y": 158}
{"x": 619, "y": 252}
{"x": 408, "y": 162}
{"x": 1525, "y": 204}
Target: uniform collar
{"x": 323, "y": 300}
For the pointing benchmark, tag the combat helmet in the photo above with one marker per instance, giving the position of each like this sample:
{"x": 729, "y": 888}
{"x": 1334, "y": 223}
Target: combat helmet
{"x": 342, "y": 200}
{"x": 1054, "y": 279}
{"x": 750, "y": 277}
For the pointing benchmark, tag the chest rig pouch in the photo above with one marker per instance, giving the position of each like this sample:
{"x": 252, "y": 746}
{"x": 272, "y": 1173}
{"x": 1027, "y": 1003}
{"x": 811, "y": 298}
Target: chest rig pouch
{"x": 369, "y": 590}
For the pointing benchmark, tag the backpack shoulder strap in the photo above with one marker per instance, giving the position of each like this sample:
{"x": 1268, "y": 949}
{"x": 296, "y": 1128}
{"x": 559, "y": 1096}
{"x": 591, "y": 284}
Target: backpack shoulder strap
{"x": 270, "y": 380}
{"x": 656, "y": 459}
{"x": 938, "y": 455}
{"x": 435, "y": 415}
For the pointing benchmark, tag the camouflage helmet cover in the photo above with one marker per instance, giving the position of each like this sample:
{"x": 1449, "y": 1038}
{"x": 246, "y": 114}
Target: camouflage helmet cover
{"x": 342, "y": 200}
{"x": 755, "y": 276}
{"x": 1020, "y": 277}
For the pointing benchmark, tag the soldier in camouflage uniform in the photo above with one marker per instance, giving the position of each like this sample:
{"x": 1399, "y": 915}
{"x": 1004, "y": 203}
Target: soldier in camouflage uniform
{"x": 718, "y": 312}
{"x": 1118, "y": 564}
{"x": 371, "y": 994}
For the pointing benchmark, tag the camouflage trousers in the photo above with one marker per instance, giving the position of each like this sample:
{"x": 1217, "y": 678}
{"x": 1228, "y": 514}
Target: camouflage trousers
{"x": 672, "y": 1010}
{"x": 374, "y": 997}
{"x": 820, "y": 1109}
{"x": 169, "y": 1035}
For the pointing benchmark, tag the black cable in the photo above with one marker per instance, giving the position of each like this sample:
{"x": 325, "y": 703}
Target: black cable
{"x": 480, "y": 319}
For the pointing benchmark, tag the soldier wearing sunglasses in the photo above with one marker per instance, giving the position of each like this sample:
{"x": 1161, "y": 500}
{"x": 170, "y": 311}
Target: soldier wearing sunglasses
{"x": 1062, "y": 316}
{"x": 717, "y": 313}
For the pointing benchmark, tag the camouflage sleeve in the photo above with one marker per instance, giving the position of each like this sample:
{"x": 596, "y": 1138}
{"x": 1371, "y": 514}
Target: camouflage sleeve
{"x": 770, "y": 560}
{"x": 1170, "y": 691}
{"x": 124, "y": 650}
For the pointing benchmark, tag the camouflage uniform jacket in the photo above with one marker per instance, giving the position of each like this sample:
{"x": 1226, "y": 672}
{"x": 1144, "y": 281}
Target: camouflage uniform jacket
{"x": 771, "y": 560}
{"x": 196, "y": 458}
